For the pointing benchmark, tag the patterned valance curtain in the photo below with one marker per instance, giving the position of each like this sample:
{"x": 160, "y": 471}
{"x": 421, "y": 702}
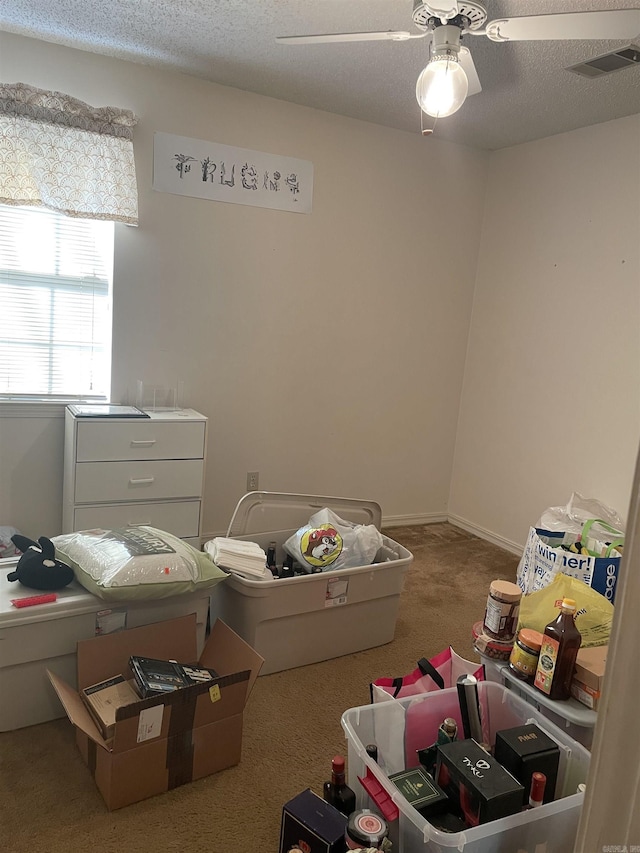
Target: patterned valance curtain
{"x": 61, "y": 153}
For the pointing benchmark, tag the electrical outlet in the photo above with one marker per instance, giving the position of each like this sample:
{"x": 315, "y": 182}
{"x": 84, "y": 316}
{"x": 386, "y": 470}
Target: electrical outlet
{"x": 252, "y": 481}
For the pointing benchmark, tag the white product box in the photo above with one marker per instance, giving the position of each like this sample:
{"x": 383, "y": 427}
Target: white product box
{"x": 399, "y": 727}
{"x": 44, "y": 636}
{"x": 305, "y": 619}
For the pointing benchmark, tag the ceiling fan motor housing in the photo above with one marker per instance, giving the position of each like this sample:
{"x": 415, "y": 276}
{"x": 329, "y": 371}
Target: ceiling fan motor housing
{"x": 471, "y": 16}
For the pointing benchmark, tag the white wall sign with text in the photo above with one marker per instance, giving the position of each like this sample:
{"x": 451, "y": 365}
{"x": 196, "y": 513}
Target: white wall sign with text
{"x": 202, "y": 169}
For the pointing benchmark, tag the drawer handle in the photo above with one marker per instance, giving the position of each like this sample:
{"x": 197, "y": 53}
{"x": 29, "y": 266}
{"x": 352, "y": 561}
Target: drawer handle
{"x": 141, "y": 481}
{"x": 138, "y": 523}
{"x": 143, "y": 442}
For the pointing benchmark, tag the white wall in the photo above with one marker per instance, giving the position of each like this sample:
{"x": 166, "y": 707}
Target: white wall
{"x": 551, "y": 397}
{"x": 327, "y": 350}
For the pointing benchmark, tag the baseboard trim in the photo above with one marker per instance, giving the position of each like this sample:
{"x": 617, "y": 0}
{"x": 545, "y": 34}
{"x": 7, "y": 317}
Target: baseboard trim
{"x": 406, "y": 520}
{"x": 483, "y": 533}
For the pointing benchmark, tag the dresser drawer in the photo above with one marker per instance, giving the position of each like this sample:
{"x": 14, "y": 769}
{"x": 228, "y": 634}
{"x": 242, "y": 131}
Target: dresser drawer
{"x": 139, "y": 439}
{"x": 180, "y": 518}
{"x": 104, "y": 482}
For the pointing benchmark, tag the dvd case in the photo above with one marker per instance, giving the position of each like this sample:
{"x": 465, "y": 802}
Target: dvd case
{"x": 154, "y": 677}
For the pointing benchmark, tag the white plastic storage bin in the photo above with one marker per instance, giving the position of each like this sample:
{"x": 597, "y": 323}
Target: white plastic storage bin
{"x": 399, "y": 727}
{"x": 305, "y": 619}
{"x": 575, "y": 718}
{"x": 45, "y": 636}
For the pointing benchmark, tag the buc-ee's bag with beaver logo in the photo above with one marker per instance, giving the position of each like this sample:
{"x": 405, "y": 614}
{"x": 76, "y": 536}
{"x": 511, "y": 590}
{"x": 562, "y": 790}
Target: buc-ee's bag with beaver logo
{"x": 329, "y": 542}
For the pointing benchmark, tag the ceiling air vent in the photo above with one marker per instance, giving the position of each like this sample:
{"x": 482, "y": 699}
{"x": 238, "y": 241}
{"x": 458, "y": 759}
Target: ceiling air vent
{"x": 626, "y": 57}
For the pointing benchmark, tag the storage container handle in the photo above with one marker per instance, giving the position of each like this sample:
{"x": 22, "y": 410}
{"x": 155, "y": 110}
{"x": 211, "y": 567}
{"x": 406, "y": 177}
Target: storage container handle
{"x": 380, "y": 797}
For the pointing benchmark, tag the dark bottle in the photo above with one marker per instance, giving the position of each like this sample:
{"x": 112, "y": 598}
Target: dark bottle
{"x": 271, "y": 559}
{"x": 372, "y": 751}
{"x": 337, "y": 792}
{"x": 287, "y": 567}
{"x": 560, "y": 644}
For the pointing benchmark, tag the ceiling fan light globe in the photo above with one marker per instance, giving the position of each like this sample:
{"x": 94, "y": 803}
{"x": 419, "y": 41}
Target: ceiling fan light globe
{"x": 442, "y": 86}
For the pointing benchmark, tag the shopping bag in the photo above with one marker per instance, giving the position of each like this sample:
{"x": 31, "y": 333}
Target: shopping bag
{"x": 580, "y": 555}
{"x": 594, "y": 615}
{"x": 437, "y": 673}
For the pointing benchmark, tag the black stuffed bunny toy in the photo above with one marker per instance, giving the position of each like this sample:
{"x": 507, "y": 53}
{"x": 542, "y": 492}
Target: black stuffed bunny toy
{"x": 37, "y": 567}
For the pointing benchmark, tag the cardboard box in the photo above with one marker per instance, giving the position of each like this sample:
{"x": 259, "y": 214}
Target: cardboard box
{"x": 477, "y": 785}
{"x": 311, "y": 825}
{"x": 525, "y": 750}
{"x": 165, "y": 741}
{"x": 588, "y": 675}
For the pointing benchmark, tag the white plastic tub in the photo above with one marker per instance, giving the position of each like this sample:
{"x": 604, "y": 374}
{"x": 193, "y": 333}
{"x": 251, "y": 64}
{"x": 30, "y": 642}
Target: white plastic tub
{"x": 398, "y": 727}
{"x": 575, "y": 718}
{"x": 305, "y": 619}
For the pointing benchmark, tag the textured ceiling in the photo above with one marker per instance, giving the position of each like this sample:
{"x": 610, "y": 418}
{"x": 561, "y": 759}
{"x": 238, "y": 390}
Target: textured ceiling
{"x": 527, "y": 93}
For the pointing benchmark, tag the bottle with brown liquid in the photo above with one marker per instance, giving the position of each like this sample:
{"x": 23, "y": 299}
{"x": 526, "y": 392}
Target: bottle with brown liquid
{"x": 560, "y": 644}
{"x": 337, "y": 792}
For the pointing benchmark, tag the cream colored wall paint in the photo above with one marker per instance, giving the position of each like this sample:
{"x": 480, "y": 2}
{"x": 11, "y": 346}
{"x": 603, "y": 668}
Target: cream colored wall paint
{"x": 551, "y": 396}
{"x": 327, "y": 350}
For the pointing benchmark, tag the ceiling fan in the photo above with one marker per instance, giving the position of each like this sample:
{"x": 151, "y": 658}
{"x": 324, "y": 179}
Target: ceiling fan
{"x": 450, "y": 75}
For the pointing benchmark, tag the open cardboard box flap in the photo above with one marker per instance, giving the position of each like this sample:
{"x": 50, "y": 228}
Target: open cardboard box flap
{"x": 174, "y": 639}
{"x": 76, "y": 709}
{"x": 108, "y": 655}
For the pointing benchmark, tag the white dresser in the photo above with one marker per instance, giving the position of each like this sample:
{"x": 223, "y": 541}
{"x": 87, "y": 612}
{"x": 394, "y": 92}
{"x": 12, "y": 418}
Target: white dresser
{"x": 127, "y": 471}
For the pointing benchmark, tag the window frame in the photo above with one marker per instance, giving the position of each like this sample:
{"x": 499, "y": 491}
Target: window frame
{"x": 18, "y": 404}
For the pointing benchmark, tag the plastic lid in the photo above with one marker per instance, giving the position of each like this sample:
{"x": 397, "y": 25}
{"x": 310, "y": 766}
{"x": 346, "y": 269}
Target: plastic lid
{"x": 569, "y": 604}
{"x": 506, "y": 590}
{"x": 532, "y": 639}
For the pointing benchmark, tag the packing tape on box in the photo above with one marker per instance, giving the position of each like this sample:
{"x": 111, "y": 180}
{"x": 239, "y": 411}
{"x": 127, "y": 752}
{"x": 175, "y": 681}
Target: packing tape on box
{"x": 183, "y": 707}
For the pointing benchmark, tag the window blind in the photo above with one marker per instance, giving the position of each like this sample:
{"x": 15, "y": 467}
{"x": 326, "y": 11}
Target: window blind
{"x": 55, "y": 304}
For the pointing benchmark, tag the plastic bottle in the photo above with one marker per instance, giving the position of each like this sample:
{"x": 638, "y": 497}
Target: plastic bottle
{"x": 337, "y": 792}
{"x": 560, "y": 644}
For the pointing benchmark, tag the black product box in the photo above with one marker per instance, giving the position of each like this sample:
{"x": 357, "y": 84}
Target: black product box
{"x": 311, "y": 825}
{"x": 477, "y": 785}
{"x": 525, "y": 750}
{"x": 154, "y": 677}
{"x": 420, "y": 791}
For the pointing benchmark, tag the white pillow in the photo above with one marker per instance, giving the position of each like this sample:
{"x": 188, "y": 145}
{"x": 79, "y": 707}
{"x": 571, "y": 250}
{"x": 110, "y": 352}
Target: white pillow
{"x": 136, "y": 562}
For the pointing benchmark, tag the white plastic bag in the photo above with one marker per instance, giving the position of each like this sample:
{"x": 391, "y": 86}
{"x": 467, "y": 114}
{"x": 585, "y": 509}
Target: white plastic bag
{"x": 572, "y": 517}
{"x": 329, "y": 542}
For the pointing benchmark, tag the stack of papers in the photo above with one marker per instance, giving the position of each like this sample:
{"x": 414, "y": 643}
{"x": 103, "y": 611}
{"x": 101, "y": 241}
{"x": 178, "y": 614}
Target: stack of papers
{"x": 244, "y": 558}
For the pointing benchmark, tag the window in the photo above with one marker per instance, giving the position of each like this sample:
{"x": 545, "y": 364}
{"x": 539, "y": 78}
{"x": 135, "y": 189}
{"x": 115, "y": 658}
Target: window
{"x": 55, "y": 305}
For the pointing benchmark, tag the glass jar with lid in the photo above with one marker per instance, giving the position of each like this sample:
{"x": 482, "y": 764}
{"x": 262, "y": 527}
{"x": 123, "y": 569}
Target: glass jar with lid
{"x": 502, "y": 610}
{"x": 523, "y": 661}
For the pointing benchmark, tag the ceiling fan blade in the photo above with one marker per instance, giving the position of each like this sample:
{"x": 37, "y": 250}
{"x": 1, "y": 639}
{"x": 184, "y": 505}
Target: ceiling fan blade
{"x": 397, "y": 35}
{"x": 614, "y": 24}
{"x": 466, "y": 61}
